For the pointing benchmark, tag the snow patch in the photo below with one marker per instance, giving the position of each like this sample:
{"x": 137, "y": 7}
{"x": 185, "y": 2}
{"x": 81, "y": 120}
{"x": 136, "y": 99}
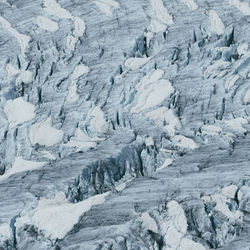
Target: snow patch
{"x": 177, "y": 216}
{"x": 161, "y": 12}
{"x": 56, "y": 217}
{"x": 71, "y": 42}
{"x": 184, "y": 142}
{"x": 242, "y": 49}
{"x": 81, "y": 141}
{"x": 242, "y": 6}
{"x": 11, "y": 70}
{"x": 192, "y": 5}
{"x": 47, "y": 24}
{"x": 222, "y": 206}
{"x": 174, "y": 229}
{"x": 166, "y": 118}
{"x": 156, "y": 26}
{"x": 25, "y": 77}
{"x": 229, "y": 191}
{"x": 73, "y": 96}
{"x": 149, "y": 223}
{"x": 153, "y": 76}
{"x": 149, "y": 141}
{"x": 97, "y": 122}
{"x": 106, "y": 6}
{"x": 44, "y": 134}
{"x": 21, "y": 165}
{"x": 166, "y": 163}
{"x": 187, "y": 244}
{"x": 150, "y": 94}
{"x": 134, "y": 63}
{"x": 246, "y": 99}
{"x": 19, "y": 111}
{"x": 79, "y": 71}
{"x": 22, "y": 39}
{"x": 216, "y": 24}
{"x": 237, "y": 124}
{"x": 54, "y": 9}
{"x": 5, "y": 232}
{"x": 80, "y": 27}
{"x": 211, "y": 130}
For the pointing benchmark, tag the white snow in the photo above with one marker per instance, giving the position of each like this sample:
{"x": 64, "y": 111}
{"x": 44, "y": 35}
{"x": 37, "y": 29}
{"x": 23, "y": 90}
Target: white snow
{"x": 149, "y": 223}
{"x": 149, "y": 78}
{"x": 47, "y": 24}
{"x": 174, "y": 229}
{"x": 71, "y": 42}
{"x": 177, "y": 216}
{"x": 229, "y": 191}
{"x": 192, "y": 5}
{"x": 184, "y": 142}
{"x": 166, "y": 118}
{"x": 156, "y": 26}
{"x": 19, "y": 111}
{"x": 188, "y": 244}
{"x": 11, "y": 70}
{"x": 44, "y": 134}
{"x": 246, "y": 99}
{"x": 73, "y": 96}
{"x": 134, "y": 63}
{"x": 211, "y": 130}
{"x": 166, "y": 163}
{"x": 107, "y": 5}
{"x": 221, "y": 205}
{"x": 230, "y": 82}
{"x": 47, "y": 155}
{"x": 22, "y": 39}
{"x": 149, "y": 141}
{"x": 53, "y": 8}
{"x": 242, "y": 6}
{"x": 237, "y": 124}
{"x": 151, "y": 91}
{"x": 5, "y": 232}
{"x": 79, "y": 71}
{"x": 56, "y": 217}
{"x": 21, "y": 165}
{"x": 98, "y": 123}
{"x": 242, "y": 49}
{"x": 81, "y": 141}
{"x": 217, "y": 25}
{"x": 172, "y": 237}
{"x": 80, "y": 27}
{"x": 25, "y": 77}
{"x": 152, "y": 94}
{"x": 161, "y": 12}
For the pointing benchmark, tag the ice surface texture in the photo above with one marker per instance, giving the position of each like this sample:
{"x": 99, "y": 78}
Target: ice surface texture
{"x": 124, "y": 124}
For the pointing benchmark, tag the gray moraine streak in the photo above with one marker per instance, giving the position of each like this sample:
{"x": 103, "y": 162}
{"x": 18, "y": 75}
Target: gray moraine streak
{"x": 124, "y": 125}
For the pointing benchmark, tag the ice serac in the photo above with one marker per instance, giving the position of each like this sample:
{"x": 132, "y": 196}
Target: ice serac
{"x": 44, "y": 134}
{"x": 124, "y": 125}
{"x": 19, "y": 111}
